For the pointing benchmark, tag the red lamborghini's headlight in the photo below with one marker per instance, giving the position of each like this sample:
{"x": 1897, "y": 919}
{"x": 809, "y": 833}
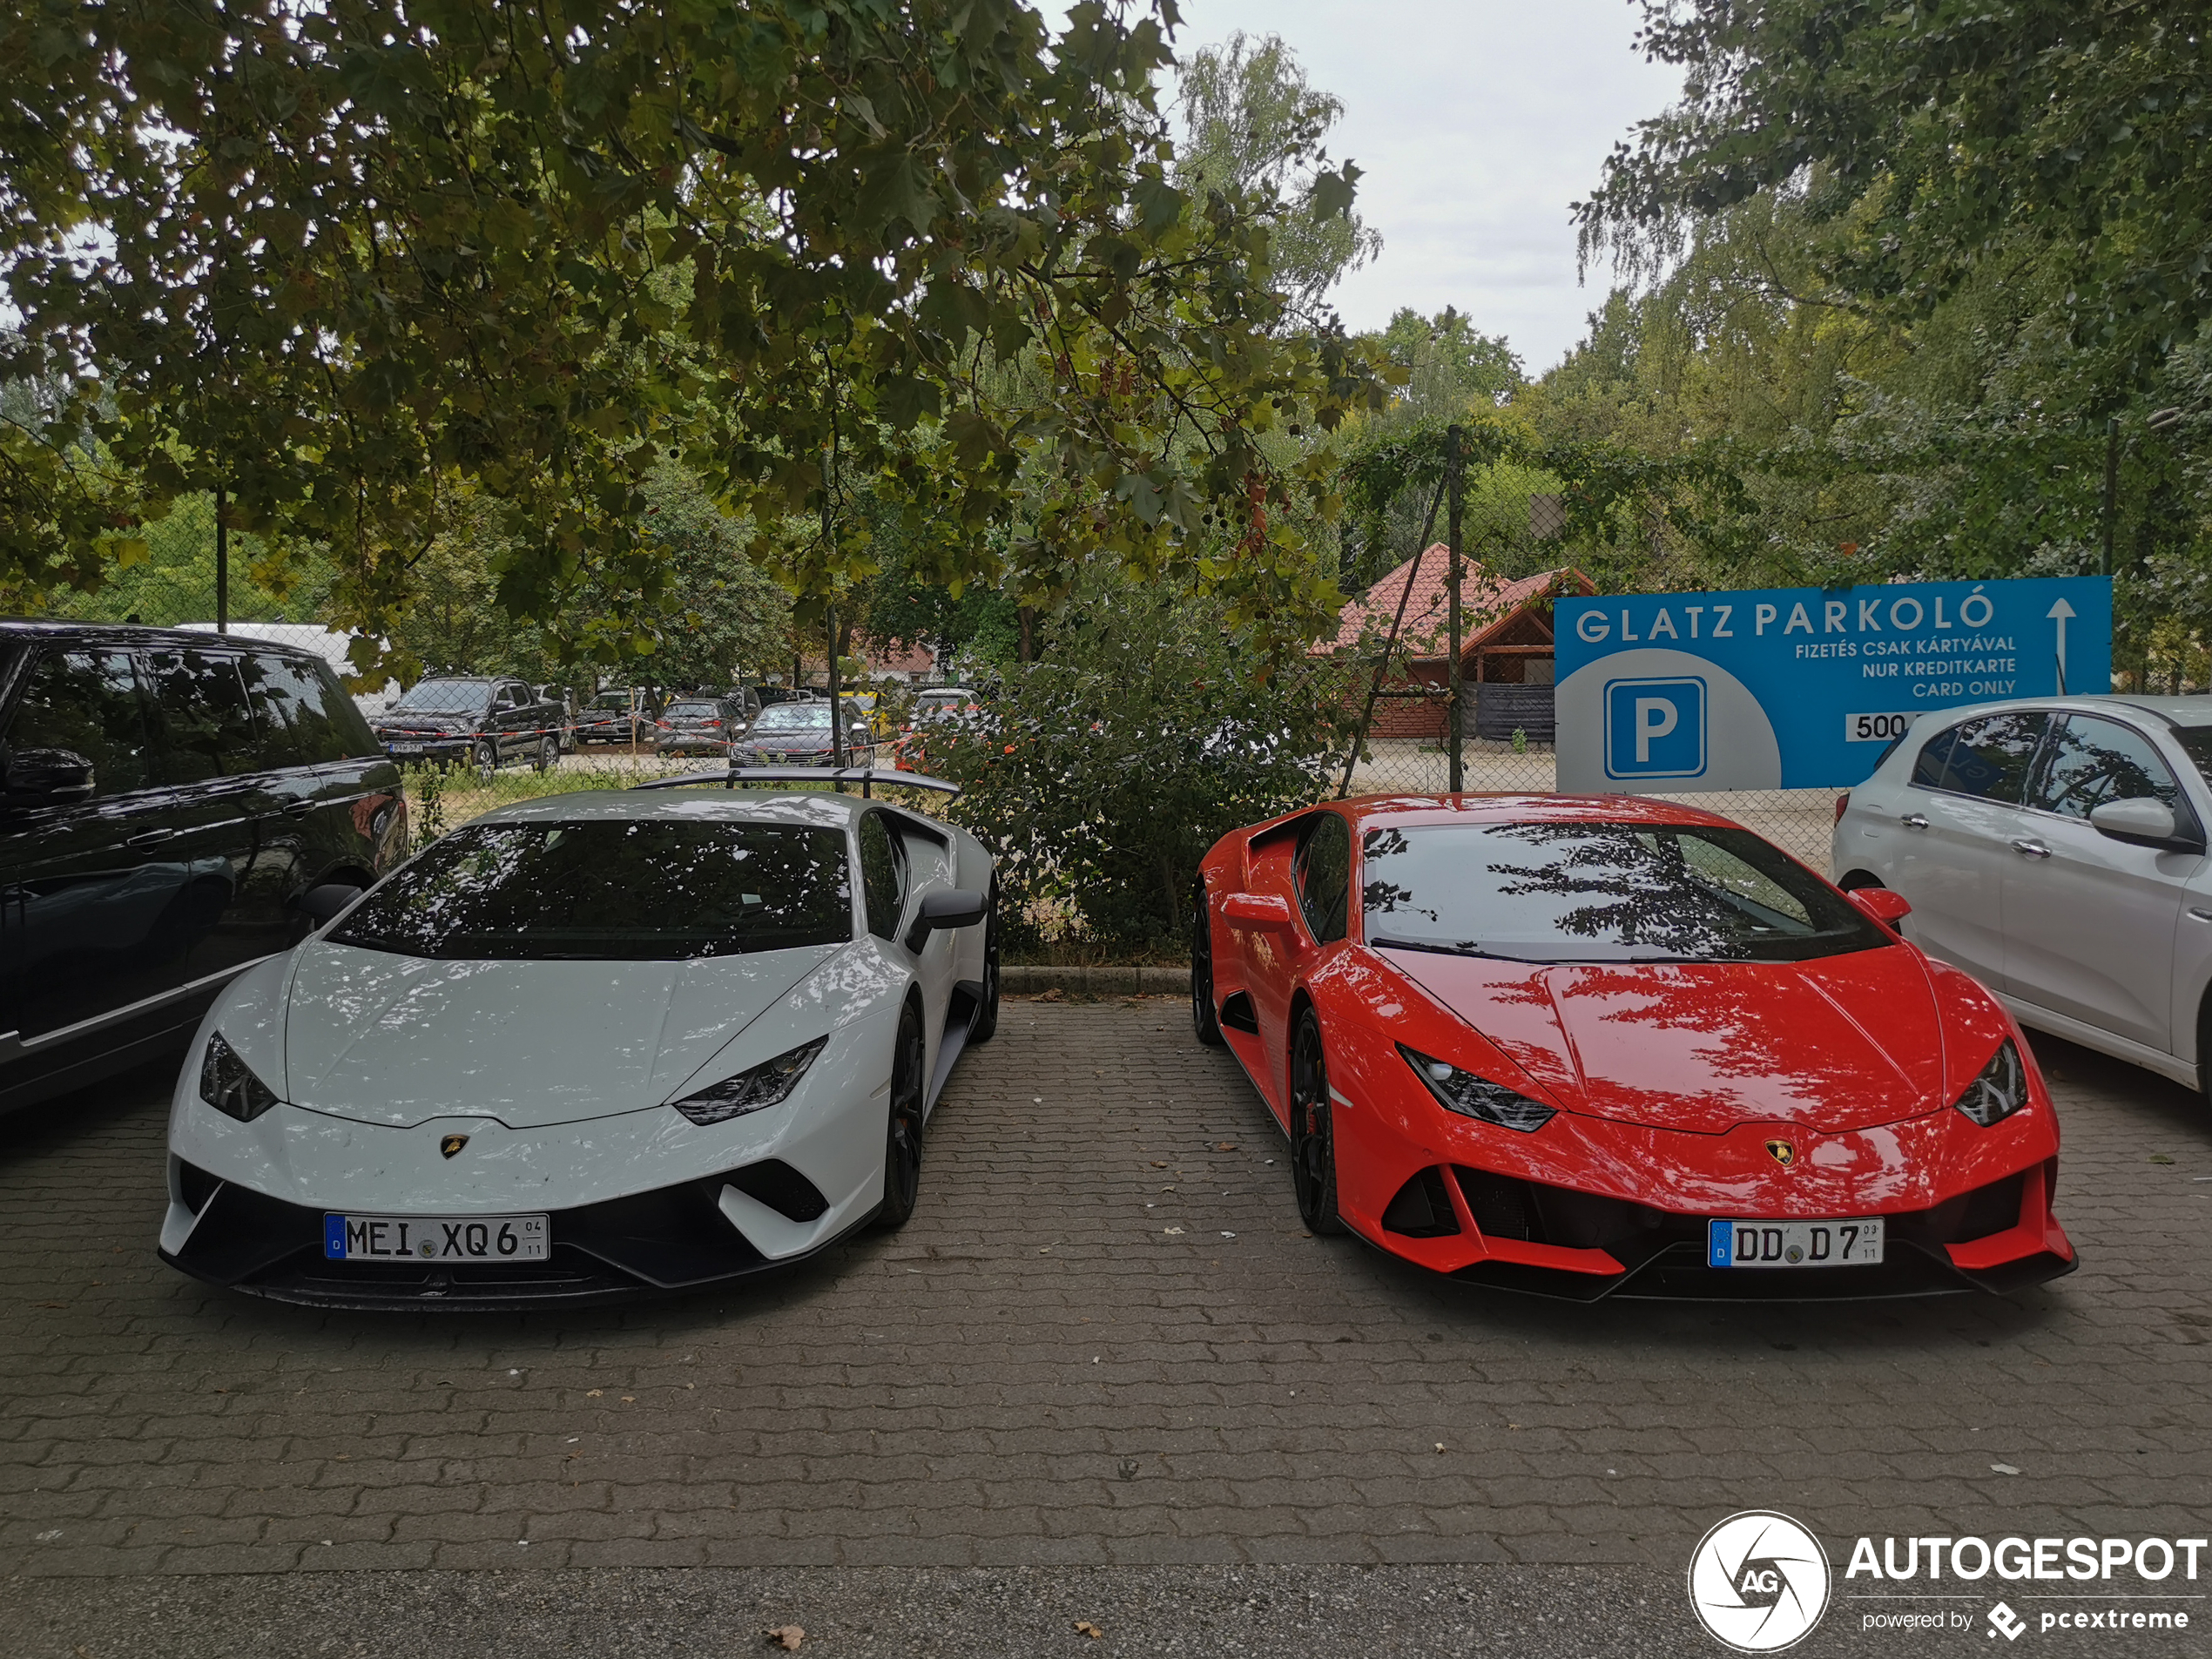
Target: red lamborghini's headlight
{"x": 2000, "y": 1091}
{"x": 1473, "y": 1096}
{"x": 767, "y": 1084}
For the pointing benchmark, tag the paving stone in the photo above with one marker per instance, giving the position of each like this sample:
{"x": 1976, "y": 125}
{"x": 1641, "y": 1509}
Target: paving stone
{"x": 1032, "y": 1371}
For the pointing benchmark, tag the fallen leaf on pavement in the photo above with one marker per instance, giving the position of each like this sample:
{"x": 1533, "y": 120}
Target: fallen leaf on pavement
{"x": 1224, "y": 1146}
{"x": 1089, "y": 1628}
{"x": 790, "y": 1635}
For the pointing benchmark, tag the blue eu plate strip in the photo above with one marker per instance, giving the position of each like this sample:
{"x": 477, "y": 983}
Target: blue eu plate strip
{"x": 1720, "y": 1244}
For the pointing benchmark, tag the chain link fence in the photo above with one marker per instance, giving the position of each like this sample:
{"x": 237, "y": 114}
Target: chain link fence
{"x": 1522, "y": 761}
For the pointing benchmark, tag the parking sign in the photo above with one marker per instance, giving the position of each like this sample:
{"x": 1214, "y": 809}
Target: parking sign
{"x": 1655, "y": 728}
{"x": 1799, "y": 688}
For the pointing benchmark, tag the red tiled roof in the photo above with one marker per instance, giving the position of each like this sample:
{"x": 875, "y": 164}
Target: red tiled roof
{"x": 1487, "y": 604}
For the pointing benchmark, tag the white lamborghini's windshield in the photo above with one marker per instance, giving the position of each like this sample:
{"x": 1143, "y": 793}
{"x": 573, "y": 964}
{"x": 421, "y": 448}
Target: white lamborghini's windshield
{"x": 612, "y": 890}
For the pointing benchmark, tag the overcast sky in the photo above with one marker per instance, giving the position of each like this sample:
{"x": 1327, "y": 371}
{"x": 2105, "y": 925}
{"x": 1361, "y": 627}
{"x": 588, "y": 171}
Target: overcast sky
{"x": 1476, "y": 122}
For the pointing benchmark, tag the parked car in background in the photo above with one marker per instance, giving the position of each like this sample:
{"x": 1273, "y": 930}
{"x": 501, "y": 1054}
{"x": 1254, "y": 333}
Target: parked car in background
{"x": 617, "y": 717}
{"x": 699, "y": 725}
{"x": 2055, "y": 849}
{"x": 942, "y": 702}
{"x": 798, "y": 734}
{"x": 165, "y": 797}
{"x": 488, "y": 723}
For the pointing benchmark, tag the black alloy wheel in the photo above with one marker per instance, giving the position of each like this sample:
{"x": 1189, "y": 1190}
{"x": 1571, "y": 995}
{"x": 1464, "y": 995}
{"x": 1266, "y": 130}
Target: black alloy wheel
{"x": 549, "y": 753}
{"x": 1313, "y": 1149}
{"x": 902, "y": 1139}
{"x": 1205, "y": 1018}
{"x": 487, "y": 759}
{"x": 985, "y": 1025}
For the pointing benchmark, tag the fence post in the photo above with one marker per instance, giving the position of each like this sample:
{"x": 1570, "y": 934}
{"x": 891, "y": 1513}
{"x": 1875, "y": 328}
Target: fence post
{"x": 1455, "y": 478}
{"x": 1382, "y": 663}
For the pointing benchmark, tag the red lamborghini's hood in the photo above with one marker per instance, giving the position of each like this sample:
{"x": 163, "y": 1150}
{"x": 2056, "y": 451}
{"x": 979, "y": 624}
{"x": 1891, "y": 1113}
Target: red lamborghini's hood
{"x": 1844, "y": 1043}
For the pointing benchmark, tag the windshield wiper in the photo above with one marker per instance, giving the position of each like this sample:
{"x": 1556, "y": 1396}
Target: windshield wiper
{"x": 1441, "y": 949}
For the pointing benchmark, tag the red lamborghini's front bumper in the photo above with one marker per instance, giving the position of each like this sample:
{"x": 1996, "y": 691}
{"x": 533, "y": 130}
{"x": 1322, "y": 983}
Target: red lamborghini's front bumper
{"x": 1588, "y": 1207}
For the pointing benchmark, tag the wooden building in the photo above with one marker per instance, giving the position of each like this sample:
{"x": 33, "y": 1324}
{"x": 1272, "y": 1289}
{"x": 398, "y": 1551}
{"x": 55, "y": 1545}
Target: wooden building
{"x": 1506, "y": 646}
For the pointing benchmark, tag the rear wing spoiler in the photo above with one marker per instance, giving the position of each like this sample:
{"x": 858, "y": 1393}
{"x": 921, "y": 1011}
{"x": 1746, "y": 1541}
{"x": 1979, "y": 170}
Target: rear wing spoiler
{"x": 869, "y": 778}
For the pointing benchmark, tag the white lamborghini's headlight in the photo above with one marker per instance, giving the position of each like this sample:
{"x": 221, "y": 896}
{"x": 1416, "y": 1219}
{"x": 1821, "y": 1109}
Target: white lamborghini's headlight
{"x": 2000, "y": 1091}
{"x": 766, "y": 1084}
{"x": 1473, "y": 1096}
{"x": 228, "y": 1084}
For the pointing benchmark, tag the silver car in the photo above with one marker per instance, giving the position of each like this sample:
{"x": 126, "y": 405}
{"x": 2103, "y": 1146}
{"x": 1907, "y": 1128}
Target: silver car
{"x": 2054, "y": 848}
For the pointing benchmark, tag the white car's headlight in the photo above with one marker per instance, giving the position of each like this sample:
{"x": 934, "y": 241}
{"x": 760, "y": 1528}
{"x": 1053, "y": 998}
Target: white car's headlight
{"x": 2000, "y": 1091}
{"x": 228, "y": 1084}
{"x": 766, "y": 1084}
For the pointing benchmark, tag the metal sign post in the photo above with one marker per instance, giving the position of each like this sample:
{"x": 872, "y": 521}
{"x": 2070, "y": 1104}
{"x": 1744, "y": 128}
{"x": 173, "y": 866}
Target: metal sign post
{"x": 1455, "y": 476}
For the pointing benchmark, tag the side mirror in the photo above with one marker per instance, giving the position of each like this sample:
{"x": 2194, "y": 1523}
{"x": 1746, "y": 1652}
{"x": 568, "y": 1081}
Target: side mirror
{"x": 1883, "y": 904}
{"x": 321, "y": 904}
{"x": 943, "y": 912}
{"x": 2143, "y": 822}
{"x": 34, "y": 778}
{"x": 1257, "y": 913}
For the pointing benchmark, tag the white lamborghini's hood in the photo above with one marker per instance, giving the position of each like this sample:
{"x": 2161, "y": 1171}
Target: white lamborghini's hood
{"x": 389, "y": 1039}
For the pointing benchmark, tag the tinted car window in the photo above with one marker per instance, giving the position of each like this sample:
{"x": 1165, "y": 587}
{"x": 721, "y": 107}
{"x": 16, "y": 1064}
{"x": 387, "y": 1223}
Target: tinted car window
{"x": 293, "y": 711}
{"x": 1602, "y": 892}
{"x": 1324, "y": 874}
{"x": 882, "y": 876}
{"x": 2091, "y": 761}
{"x": 1927, "y": 770}
{"x": 1991, "y": 757}
{"x": 612, "y": 890}
{"x": 446, "y": 697}
{"x": 203, "y": 727}
{"x": 86, "y": 703}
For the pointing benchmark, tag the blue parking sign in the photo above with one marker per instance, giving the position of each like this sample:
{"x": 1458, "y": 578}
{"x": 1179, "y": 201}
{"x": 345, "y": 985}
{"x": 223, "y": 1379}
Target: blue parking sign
{"x": 1655, "y": 728}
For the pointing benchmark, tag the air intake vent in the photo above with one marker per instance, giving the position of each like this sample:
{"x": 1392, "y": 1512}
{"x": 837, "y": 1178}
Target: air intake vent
{"x": 775, "y": 1183}
{"x": 1237, "y": 1013}
{"x": 1422, "y": 1208}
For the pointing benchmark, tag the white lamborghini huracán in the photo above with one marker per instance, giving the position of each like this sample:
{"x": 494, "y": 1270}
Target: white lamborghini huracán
{"x": 586, "y": 1046}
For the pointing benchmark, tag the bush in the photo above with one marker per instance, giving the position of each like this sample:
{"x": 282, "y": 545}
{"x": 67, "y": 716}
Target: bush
{"x": 1102, "y": 775}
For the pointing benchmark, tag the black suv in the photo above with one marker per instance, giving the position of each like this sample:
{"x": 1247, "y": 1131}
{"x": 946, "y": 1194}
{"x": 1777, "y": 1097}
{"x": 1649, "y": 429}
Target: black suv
{"x": 487, "y": 722}
{"x": 165, "y": 798}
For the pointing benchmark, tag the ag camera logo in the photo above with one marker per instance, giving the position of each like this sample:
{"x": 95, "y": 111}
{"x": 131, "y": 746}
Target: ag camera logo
{"x": 1758, "y": 1581}
{"x": 1655, "y": 728}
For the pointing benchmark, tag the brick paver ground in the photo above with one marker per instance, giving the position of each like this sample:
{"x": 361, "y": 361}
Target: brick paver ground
{"x": 1041, "y": 1370}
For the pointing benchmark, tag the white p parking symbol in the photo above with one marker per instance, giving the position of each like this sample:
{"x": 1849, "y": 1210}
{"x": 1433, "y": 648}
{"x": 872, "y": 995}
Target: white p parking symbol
{"x": 1647, "y": 727}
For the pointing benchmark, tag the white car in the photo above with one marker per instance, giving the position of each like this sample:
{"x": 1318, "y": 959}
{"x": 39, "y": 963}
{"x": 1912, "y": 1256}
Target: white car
{"x": 2054, "y": 848}
{"x": 588, "y": 1046}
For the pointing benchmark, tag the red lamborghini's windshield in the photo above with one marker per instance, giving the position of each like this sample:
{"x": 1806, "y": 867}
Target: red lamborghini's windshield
{"x": 1602, "y": 892}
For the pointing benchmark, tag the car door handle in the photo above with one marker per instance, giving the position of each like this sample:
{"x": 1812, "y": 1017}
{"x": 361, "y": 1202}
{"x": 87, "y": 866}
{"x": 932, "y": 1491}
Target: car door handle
{"x": 2032, "y": 849}
{"x": 1913, "y": 820}
{"x": 2200, "y": 913}
{"x": 301, "y": 808}
{"x": 147, "y": 838}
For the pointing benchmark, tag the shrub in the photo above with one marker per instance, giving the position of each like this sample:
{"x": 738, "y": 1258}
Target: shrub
{"x": 1102, "y": 773}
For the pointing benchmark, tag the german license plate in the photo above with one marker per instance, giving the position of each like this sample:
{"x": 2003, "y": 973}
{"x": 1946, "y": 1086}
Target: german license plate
{"x": 1856, "y": 1243}
{"x": 404, "y": 748}
{"x": 435, "y": 1239}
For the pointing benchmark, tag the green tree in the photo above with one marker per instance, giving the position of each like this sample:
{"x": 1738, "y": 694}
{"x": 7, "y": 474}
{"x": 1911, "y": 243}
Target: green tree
{"x": 341, "y": 258}
{"x": 1255, "y": 125}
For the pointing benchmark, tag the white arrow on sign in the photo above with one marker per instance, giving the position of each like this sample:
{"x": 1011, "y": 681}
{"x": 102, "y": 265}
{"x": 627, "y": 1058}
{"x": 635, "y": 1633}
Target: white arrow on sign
{"x": 2058, "y": 613}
